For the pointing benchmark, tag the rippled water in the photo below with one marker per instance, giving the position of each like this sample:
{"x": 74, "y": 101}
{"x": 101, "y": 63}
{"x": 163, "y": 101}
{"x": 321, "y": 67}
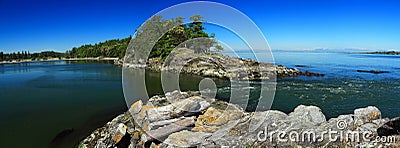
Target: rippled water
{"x": 342, "y": 89}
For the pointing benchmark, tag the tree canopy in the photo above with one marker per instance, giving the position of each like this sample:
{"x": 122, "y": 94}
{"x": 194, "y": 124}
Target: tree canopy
{"x": 110, "y": 48}
{"x": 191, "y": 35}
{"x": 185, "y": 35}
{"x": 24, "y": 55}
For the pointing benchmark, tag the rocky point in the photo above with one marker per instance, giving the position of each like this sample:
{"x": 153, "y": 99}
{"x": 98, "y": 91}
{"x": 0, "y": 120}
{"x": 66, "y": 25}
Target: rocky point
{"x": 188, "y": 119}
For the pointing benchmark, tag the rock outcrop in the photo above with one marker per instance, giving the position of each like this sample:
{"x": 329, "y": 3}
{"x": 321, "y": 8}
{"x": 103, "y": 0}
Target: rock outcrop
{"x": 216, "y": 65}
{"x": 372, "y": 71}
{"x": 187, "y": 119}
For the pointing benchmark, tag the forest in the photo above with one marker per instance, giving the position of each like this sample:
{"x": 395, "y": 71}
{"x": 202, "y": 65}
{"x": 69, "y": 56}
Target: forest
{"x": 181, "y": 33}
{"x": 26, "y": 55}
{"x": 171, "y": 39}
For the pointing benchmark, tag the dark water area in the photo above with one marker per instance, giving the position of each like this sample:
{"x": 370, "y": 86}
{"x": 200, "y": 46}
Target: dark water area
{"x": 58, "y": 103}
{"x": 40, "y": 100}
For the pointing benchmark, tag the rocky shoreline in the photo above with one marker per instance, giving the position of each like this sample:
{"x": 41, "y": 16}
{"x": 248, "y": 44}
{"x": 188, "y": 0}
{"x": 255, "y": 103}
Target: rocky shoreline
{"x": 188, "y": 119}
{"x": 217, "y": 65}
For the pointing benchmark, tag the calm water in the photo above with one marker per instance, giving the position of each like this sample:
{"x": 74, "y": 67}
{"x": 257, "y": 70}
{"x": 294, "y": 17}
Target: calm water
{"x": 42, "y": 99}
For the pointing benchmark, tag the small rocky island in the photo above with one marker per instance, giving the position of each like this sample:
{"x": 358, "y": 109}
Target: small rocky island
{"x": 189, "y": 119}
{"x": 183, "y": 60}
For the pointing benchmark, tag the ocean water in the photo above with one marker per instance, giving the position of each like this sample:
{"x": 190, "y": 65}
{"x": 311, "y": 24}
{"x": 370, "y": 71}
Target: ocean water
{"x": 40, "y": 100}
{"x": 342, "y": 89}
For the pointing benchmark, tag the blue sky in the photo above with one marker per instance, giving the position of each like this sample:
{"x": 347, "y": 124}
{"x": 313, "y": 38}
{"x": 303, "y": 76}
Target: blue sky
{"x": 38, "y": 25}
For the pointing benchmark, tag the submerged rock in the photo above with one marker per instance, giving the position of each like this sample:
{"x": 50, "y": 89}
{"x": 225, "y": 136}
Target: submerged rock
{"x": 60, "y": 136}
{"x": 303, "y": 66}
{"x": 373, "y": 71}
{"x": 310, "y": 74}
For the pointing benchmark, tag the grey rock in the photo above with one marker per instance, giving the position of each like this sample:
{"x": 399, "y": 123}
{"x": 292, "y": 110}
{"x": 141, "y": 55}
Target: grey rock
{"x": 311, "y": 114}
{"x": 186, "y": 138}
{"x": 341, "y": 123}
{"x": 219, "y": 66}
{"x": 261, "y": 119}
{"x": 366, "y": 115}
{"x": 155, "y": 125}
{"x": 107, "y": 136}
{"x": 177, "y": 109}
{"x": 219, "y": 123}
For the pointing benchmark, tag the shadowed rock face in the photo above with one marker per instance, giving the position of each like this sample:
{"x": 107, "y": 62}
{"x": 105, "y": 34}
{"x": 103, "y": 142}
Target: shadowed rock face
{"x": 190, "y": 120}
{"x": 390, "y": 128}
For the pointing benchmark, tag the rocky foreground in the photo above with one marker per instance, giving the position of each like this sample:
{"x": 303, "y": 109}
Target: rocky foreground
{"x": 188, "y": 119}
{"x": 216, "y": 65}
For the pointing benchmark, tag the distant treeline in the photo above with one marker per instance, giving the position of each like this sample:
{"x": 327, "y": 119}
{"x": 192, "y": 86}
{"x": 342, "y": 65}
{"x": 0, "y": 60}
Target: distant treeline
{"x": 25, "y": 55}
{"x": 110, "y": 48}
{"x": 383, "y": 52}
{"x": 171, "y": 39}
{"x": 180, "y": 35}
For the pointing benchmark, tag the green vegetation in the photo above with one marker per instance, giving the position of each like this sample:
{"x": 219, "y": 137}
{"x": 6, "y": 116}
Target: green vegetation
{"x": 26, "y": 55}
{"x": 173, "y": 34}
{"x": 180, "y": 34}
{"x": 110, "y": 48}
{"x": 191, "y": 35}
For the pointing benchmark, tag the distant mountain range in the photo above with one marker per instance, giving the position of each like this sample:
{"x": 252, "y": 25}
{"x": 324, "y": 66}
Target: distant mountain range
{"x": 383, "y": 52}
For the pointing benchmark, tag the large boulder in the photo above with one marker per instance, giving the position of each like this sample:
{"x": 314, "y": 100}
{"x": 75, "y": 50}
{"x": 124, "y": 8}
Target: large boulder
{"x": 184, "y": 107}
{"x": 309, "y": 114}
{"x": 367, "y": 115}
{"x": 214, "y": 118}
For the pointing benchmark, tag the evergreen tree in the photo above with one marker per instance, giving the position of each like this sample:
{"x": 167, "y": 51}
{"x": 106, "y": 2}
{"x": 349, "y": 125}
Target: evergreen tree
{"x": 151, "y": 30}
{"x": 25, "y": 55}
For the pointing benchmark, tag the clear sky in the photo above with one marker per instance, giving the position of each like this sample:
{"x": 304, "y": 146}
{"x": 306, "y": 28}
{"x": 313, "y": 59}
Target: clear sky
{"x": 59, "y": 25}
